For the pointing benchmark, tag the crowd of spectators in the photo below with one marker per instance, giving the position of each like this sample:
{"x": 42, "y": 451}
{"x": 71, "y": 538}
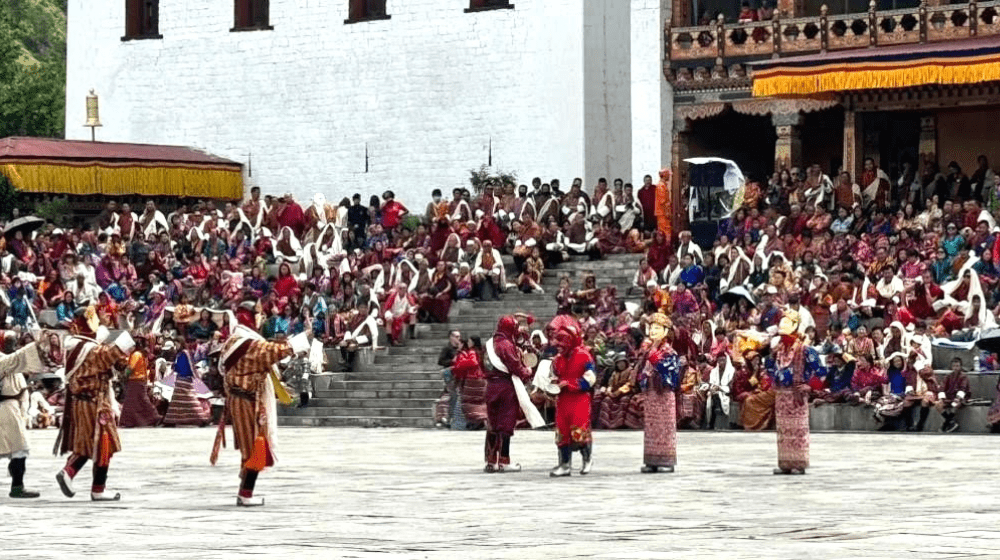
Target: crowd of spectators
{"x": 348, "y": 274}
{"x": 882, "y": 272}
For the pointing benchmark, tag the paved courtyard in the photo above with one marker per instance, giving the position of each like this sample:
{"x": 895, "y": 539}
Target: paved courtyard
{"x": 355, "y": 493}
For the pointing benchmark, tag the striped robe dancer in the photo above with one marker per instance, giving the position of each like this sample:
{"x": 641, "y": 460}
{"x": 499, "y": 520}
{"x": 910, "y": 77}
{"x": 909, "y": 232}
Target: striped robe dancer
{"x": 246, "y": 364}
{"x": 89, "y": 428}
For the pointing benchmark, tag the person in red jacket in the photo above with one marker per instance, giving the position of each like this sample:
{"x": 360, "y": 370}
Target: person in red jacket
{"x": 290, "y": 215}
{"x": 573, "y": 368}
{"x": 392, "y": 212}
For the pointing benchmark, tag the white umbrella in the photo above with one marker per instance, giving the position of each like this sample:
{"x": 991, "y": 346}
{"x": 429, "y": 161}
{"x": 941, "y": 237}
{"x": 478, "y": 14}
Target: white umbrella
{"x": 24, "y": 224}
{"x": 733, "y": 182}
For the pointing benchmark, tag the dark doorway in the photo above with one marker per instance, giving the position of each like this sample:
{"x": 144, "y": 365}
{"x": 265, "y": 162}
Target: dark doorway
{"x": 894, "y": 137}
{"x": 822, "y": 136}
{"x": 746, "y": 139}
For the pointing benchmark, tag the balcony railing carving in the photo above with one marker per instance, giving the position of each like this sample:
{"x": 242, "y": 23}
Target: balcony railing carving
{"x": 792, "y": 36}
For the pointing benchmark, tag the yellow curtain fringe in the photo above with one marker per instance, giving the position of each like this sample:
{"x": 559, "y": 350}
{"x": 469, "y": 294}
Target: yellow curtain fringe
{"x": 846, "y": 80}
{"x": 147, "y": 181}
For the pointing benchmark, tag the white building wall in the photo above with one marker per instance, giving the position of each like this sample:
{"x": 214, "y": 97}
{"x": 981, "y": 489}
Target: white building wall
{"x": 652, "y": 100}
{"x": 426, "y": 90}
{"x": 607, "y": 90}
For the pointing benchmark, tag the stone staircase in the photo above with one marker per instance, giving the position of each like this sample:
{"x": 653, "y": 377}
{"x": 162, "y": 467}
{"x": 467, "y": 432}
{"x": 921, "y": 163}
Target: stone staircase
{"x": 397, "y": 387}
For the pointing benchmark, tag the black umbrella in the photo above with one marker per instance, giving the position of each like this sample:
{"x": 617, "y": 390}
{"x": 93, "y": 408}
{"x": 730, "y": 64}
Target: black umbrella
{"x": 989, "y": 340}
{"x": 24, "y": 224}
{"x": 734, "y": 295}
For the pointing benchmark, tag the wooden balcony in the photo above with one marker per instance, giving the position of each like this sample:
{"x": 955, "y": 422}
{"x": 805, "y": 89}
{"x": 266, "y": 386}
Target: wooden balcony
{"x": 715, "y": 55}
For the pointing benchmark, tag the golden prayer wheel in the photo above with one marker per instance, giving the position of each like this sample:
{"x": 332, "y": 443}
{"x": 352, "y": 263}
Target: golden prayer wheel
{"x": 93, "y": 111}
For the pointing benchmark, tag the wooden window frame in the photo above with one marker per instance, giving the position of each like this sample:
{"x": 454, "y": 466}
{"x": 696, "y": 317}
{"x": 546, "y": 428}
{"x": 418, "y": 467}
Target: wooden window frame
{"x": 245, "y": 12}
{"x": 486, "y": 6}
{"x": 356, "y": 10}
{"x": 135, "y": 22}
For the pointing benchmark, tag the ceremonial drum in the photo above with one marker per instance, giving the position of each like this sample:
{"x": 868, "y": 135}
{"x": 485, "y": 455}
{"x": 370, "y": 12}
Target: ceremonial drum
{"x": 543, "y": 379}
{"x": 529, "y": 359}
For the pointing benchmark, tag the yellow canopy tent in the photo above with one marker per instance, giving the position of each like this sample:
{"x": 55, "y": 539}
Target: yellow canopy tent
{"x": 43, "y": 165}
{"x": 966, "y": 61}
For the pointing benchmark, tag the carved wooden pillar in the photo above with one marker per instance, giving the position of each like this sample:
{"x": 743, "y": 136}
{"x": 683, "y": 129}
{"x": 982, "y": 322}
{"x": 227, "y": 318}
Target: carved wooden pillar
{"x": 680, "y": 13}
{"x": 791, "y": 8}
{"x": 680, "y": 150}
{"x": 788, "y": 146}
{"x": 852, "y": 144}
{"x": 928, "y": 139}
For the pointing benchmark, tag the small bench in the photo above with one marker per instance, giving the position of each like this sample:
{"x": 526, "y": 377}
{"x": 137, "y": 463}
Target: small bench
{"x": 860, "y": 418}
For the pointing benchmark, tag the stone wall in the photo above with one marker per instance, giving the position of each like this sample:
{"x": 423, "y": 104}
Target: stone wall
{"x": 652, "y": 98}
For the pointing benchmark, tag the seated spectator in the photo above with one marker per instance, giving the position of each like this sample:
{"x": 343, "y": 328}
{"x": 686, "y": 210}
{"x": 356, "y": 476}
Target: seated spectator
{"x": 954, "y": 394}
{"x": 618, "y": 401}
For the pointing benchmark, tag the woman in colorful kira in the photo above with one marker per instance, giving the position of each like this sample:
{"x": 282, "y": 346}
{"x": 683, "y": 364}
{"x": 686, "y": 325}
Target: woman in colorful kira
{"x": 660, "y": 380}
{"x": 791, "y": 365}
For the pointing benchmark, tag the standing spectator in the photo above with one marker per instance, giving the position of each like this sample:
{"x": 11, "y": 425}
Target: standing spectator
{"x": 358, "y": 220}
{"x": 392, "y": 212}
{"x": 446, "y": 413}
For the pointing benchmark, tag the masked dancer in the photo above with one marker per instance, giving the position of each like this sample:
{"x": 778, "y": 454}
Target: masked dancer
{"x": 574, "y": 371}
{"x": 504, "y": 367}
{"x": 659, "y": 381}
{"x": 247, "y": 365}
{"x": 791, "y": 365}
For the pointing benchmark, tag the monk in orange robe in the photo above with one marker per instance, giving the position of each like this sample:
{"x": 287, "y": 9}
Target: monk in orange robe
{"x": 664, "y": 203}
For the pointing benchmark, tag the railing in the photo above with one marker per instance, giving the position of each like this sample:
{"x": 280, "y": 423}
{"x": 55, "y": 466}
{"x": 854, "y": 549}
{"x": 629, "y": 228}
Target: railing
{"x": 778, "y": 37}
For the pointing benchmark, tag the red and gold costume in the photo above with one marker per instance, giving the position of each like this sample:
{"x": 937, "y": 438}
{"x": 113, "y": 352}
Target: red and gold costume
{"x": 502, "y": 364}
{"x": 573, "y": 369}
{"x": 246, "y": 364}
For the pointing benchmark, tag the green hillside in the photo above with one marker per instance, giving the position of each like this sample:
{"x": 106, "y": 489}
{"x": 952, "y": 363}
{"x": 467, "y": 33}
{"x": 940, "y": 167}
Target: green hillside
{"x": 39, "y": 26}
{"x": 32, "y": 67}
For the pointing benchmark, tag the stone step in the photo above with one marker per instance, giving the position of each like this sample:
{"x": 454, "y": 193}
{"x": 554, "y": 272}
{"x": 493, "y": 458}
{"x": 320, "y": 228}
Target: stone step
{"x": 600, "y": 274}
{"x": 356, "y": 422}
{"x": 385, "y": 412}
{"x": 389, "y": 385}
{"x": 389, "y": 375}
{"x": 485, "y": 318}
{"x": 398, "y": 369}
{"x": 596, "y": 266}
{"x": 397, "y": 359}
{"x": 375, "y": 402}
{"x": 429, "y": 346}
{"x": 431, "y": 394}
{"x": 509, "y": 304}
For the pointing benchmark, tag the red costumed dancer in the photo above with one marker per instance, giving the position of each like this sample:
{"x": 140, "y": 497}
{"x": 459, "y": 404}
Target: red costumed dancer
{"x": 573, "y": 369}
{"x": 503, "y": 362}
